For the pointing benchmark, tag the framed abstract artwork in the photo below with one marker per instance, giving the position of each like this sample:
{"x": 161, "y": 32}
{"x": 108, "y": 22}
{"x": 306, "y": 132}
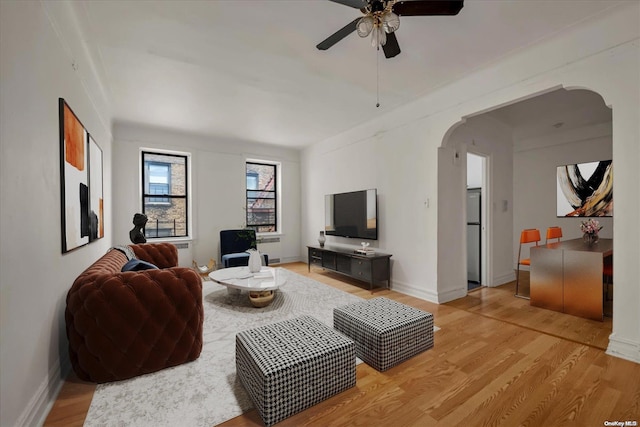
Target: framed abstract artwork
{"x": 81, "y": 182}
{"x": 585, "y": 189}
{"x": 74, "y": 180}
{"x": 96, "y": 200}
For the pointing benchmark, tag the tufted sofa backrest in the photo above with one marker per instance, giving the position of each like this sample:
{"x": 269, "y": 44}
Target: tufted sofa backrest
{"x": 163, "y": 255}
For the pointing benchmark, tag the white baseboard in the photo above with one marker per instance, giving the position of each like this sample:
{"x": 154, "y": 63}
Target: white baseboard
{"x": 42, "y": 401}
{"x": 287, "y": 260}
{"x": 452, "y": 294}
{"x": 623, "y": 348}
{"x": 413, "y": 291}
{"x": 427, "y": 294}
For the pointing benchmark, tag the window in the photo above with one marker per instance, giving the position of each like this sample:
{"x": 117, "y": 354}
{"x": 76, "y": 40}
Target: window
{"x": 262, "y": 198}
{"x": 159, "y": 181}
{"x": 252, "y": 180}
{"x": 164, "y": 194}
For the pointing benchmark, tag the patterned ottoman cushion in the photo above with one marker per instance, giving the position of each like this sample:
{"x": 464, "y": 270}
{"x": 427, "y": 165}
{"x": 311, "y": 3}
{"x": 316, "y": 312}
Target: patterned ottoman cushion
{"x": 289, "y": 366}
{"x": 386, "y": 332}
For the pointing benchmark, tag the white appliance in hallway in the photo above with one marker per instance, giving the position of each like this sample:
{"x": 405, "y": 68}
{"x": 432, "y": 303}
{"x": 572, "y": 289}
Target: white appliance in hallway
{"x": 474, "y": 230}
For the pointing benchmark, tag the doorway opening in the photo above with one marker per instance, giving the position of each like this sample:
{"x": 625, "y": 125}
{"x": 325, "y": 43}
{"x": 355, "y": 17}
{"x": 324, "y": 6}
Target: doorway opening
{"x": 476, "y": 221}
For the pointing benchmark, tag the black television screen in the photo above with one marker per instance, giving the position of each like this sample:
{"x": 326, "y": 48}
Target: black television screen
{"x": 353, "y": 214}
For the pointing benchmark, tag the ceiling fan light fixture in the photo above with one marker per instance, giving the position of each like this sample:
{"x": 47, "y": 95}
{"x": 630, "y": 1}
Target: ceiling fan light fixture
{"x": 381, "y": 19}
{"x": 378, "y": 37}
{"x": 390, "y": 22}
{"x": 364, "y": 26}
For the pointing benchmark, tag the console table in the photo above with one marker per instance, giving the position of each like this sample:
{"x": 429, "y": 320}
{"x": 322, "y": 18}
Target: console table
{"x": 567, "y": 277}
{"x": 368, "y": 268}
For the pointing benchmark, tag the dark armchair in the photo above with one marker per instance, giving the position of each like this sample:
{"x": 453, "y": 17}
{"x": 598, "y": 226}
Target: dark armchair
{"x": 233, "y": 247}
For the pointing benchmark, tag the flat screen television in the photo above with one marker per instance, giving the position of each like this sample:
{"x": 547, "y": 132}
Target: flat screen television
{"x": 353, "y": 214}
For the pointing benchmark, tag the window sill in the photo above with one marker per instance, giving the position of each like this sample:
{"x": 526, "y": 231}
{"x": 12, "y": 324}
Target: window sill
{"x": 169, "y": 239}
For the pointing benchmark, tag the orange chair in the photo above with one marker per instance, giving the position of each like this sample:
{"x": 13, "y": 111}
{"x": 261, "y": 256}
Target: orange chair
{"x": 530, "y": 235}
{"x": 553, "y": 233}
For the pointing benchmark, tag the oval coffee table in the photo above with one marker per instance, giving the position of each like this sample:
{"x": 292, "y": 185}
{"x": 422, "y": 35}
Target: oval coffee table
{"x": 261, "y": 286}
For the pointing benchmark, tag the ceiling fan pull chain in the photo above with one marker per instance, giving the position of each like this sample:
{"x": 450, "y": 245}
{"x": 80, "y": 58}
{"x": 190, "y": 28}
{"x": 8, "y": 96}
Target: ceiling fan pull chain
{"x": 378, "y": 76}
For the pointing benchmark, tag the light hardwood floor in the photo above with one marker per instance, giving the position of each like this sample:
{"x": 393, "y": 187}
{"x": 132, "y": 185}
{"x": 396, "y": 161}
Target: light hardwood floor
{"x": 496, "y": 361}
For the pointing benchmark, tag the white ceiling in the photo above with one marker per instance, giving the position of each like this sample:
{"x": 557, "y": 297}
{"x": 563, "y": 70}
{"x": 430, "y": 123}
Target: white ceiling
{"x": 249, "y": 70}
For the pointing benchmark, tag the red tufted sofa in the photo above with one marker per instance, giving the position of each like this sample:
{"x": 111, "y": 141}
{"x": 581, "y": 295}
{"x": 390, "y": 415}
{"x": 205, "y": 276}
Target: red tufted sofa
{"x": 121, "y": 325}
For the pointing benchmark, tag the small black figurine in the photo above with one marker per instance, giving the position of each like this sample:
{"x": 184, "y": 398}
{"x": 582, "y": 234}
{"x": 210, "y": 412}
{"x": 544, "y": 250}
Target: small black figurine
{"x": 136, "y": 235}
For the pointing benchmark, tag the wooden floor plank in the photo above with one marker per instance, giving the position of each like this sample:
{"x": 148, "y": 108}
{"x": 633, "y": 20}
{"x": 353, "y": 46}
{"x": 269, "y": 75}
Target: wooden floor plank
{"x": 72, "y": 404}
{"x": 497, "y": 361}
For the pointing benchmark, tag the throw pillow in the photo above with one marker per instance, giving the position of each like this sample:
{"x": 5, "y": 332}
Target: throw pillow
{"x": 126, "y": 250}
{"x": 138, "y": 265}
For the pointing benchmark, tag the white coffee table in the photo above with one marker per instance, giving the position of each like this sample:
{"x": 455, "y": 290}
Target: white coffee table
{"x": 261, "y": 286}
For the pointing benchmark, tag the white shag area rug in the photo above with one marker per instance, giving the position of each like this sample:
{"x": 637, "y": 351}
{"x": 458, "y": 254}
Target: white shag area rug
{"x": 206, "y": 392}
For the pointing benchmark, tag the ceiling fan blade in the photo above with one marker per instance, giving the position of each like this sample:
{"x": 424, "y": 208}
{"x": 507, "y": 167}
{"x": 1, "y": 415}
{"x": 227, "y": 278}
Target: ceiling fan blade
{"x": 357, "y": 4}
{"x": 391, "y": 48}
{"x": 427, "y": 7}
{"x": 338, "y": 35}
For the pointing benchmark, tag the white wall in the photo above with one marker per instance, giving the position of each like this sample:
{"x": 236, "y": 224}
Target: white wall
{"x": 218, "y": 186}
{"x": 600, "y": 55}
{"x": 38, "y": 46}
{"x": 382, "y": 162}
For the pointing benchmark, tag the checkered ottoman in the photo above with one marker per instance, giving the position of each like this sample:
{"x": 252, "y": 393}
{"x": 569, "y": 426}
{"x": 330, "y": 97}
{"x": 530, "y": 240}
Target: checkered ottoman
{"x": 289, "y": 366}
{"x": 386, "y": 332}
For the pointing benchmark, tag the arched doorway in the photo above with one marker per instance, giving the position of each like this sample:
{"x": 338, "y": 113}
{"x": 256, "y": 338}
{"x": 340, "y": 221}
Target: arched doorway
{"x": 524, "y": 142}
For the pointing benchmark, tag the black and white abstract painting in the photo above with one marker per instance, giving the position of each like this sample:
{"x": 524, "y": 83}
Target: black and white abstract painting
{"x": 585, "y": 189}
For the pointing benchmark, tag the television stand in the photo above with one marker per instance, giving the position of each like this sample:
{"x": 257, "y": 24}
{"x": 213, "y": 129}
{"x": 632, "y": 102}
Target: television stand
{"x": 372, "y": 269}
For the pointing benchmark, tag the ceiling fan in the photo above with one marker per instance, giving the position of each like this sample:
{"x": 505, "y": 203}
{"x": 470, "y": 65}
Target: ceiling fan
{"x": 382, "y": 18}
